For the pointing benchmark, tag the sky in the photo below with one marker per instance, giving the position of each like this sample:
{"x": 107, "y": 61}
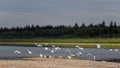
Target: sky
{"x": 58, "y": 12}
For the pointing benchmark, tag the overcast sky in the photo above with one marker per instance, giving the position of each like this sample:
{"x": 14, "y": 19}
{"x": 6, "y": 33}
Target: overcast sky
{"x": 58, "y": 12}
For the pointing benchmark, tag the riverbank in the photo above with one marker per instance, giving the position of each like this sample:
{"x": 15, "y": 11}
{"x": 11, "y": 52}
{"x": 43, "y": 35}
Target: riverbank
{"x": 67, "y": 43}
{"x": 56, "y": 63}
{"x": 63, "y": 45}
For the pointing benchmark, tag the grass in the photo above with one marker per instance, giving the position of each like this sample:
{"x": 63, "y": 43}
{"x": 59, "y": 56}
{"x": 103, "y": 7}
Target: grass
{"x": 72, "y": 42}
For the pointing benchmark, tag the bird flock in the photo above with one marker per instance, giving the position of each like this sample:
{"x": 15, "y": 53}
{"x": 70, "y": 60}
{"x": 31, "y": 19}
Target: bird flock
{"x": 53, "y": 49}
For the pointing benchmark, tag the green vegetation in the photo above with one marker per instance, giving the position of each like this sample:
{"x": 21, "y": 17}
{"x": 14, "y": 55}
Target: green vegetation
{"x": 62, "y": 31}
{"x": 68, "y": 40}
{"x": 72, "y": 42}
{"x": 63, "y": 36}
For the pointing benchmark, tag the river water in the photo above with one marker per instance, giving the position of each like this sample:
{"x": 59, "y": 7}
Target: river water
{"x": 86, "y": 53}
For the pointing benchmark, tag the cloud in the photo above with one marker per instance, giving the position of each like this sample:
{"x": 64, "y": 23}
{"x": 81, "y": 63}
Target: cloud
{"x": 54, "y": 12}
{"x": 103, "y": 0}
{"x": 22, "y": 18}
{"x": 17, "y": 19}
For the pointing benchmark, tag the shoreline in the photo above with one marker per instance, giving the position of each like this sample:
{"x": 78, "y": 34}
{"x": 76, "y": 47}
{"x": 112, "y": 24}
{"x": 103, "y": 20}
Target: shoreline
{"x": 62, "y": 45}
{"x": 34, "y": 58}
{"x": 56, "y": 63}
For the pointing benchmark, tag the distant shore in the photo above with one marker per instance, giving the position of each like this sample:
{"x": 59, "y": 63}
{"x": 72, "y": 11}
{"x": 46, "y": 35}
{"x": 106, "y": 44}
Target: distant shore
{"x": 68, "y": 42}
{"x": 63, "y": 45}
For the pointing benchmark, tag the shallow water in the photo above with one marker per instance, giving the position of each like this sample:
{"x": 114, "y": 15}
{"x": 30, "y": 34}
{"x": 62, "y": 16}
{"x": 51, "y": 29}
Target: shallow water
{"x": 88, "y": 53}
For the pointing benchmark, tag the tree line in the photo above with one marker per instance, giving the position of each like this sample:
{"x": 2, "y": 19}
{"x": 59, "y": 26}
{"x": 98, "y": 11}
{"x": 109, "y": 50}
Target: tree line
{"x": 62, "y": 31}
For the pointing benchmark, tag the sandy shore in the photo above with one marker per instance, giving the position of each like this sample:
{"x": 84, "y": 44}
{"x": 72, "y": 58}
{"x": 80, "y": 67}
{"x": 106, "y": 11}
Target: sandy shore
{"x": 56, "y": 63}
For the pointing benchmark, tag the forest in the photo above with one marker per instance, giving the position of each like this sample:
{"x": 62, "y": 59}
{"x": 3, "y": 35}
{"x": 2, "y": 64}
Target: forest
{"x": 100, "y": 30}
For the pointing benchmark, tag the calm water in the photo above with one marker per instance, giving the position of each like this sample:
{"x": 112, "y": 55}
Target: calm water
{"x": 100, "y": 54}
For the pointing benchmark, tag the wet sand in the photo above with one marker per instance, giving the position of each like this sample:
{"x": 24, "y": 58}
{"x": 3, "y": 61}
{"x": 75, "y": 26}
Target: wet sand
{"x": 56, "y": 63}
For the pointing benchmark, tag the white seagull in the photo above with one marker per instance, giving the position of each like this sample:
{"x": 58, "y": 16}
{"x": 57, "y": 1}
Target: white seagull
{"x": 17, "y": 52}
{"x": 39, "y": 45}
{"x": 29, "y": 52}
{"x": 98, "y": 45}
